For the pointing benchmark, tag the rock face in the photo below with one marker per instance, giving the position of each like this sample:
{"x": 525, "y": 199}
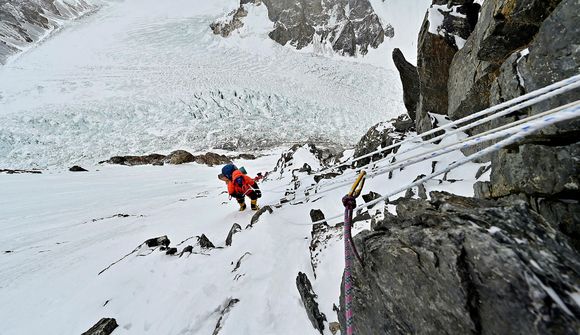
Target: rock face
{"x": 442, "y": 33}
{"x": 24, "y": 22}
{"x": 504, "y": 26}
{"x": 464, "y": 266}
{"x": 348, "y": 27}
{"x": 410, "y": 80}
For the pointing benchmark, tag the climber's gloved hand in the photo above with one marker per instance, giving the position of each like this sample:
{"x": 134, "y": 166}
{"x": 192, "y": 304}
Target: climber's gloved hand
{"x": 258, "y": 193}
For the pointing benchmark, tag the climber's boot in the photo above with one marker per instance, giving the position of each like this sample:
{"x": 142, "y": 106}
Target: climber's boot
{"x": 254, "y": 205}
{"x": 242, "y": 205}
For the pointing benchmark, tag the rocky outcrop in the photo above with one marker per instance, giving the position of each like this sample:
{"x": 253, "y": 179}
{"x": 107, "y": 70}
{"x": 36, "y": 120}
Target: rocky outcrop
{"x": 410, "y": 80}
{"x": 442, "y": 34}
{"x": 226, "y": 25}
{"x": 9, "y": 171}
{"x": 379, "y": 136}
{"x": 348, "y": 27}
{"x": 458, "y": 265}
{"x": 25, "y": 22}
{"x": 175, "y": 157}
{"x": 105, "y": 326}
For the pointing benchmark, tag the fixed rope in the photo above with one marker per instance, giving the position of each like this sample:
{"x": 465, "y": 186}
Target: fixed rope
{"x": 349, "y": 202}
{"x": 516, "y": 104}
{"x": 524, "y": 130}
{"x": 494, "y": 134}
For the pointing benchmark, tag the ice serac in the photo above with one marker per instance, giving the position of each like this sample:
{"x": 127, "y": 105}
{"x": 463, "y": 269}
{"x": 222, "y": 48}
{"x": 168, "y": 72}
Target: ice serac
{"x": 348, "y": 27}
{"x": 458, "y": 265}
{"x": 444, "y": 29}
{"x": 25, "y": 22}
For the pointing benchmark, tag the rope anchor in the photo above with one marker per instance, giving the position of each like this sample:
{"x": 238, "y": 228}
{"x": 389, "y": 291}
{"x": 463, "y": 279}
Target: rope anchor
{"x": 349, "y": 202}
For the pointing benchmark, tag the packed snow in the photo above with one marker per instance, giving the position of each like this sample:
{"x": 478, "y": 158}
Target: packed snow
{"x": 58, "y": 231}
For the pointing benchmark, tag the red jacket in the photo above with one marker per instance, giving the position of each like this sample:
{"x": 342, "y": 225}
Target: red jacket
{"x": 240, "y": 183}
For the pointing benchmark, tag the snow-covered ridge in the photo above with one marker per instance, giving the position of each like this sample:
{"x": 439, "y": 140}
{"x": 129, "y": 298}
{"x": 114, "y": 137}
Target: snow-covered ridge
{"x": 26, "y": 22}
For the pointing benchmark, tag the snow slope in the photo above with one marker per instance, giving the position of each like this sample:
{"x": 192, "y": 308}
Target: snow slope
{"x": 58, "y": 231}
{"x": 144, "y": 75}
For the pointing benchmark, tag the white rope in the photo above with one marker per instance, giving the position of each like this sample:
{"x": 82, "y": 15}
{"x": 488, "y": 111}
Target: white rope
{"x": 524, "y": 130}
{"x": 489, "y": 135}
{"x": 519, "y": 103}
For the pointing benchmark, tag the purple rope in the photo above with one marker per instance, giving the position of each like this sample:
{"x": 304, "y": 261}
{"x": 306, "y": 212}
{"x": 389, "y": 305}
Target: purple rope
{"x": 349, "y": 203}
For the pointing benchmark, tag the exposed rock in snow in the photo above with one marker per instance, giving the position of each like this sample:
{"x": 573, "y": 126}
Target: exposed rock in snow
{"x": 77, "y": 168}
{"x": 105, "y": 326}
{"x": 175, "y": 157}
{"x": 441, "y": 252}
{"x": 204, "y": 242}
{"x": 25, "y": 22}
{"x": 309, "y": 300}
{"x": 9, "y": 171}
{"x": 236, "y": 228}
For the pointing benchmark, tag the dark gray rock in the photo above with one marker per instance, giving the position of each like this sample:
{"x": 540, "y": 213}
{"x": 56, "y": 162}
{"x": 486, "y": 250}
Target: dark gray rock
{"x": 188, "y": 249}
{"x": 504, "y": 26}
{"x": 370, "y": 197}
{"x": 205, "y": 243}
{"x": 9, "y": 171}
{"x": 434, "y": 58}
{"x": 256, "y": 217}
{"x": 158, "y": 241}
{"x": 236, "y": 228}
{"x": 227, "y": 307}
{"x": 403, "y": 124}
{"x": 105, "y": 326}
{"x": 317, "y": 215}
{"x": 309, "y": 300}
{"x": 484, "y": 267}
{"x": 536, "y": 170}
{"x": 77, "y": 168}
{"x": 379, "y": 136}
{"x": 171, "y": 251}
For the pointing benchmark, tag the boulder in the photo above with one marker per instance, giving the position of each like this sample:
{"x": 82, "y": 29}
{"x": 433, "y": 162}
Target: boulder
{"x": 179, "y": 157}
{"x": 136, "y": 160}
{"x": 410, "y": 81}
{"x": 211, "y": 159}
{"x": 458, "y": 265}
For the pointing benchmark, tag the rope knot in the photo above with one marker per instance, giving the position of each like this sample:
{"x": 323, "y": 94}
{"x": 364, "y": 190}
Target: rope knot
{"x": 349, "y": 202}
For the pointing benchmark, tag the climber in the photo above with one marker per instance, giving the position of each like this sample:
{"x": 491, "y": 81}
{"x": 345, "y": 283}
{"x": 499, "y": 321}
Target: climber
{"x": 240, "y": 186}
